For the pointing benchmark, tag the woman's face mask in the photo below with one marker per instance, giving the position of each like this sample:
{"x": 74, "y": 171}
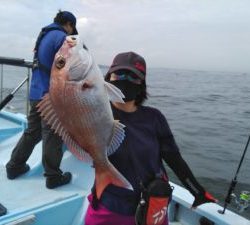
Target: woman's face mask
{"x": 129, "y": 89}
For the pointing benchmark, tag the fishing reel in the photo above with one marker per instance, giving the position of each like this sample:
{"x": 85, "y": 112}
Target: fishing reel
{"x": 241, "y": 202}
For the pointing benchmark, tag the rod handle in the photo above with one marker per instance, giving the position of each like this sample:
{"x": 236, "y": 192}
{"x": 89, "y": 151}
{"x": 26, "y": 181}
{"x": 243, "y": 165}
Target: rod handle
{"x": 230, "y": 191}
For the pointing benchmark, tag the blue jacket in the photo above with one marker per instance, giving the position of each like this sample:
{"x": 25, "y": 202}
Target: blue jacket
{"x": 47, "y": 49}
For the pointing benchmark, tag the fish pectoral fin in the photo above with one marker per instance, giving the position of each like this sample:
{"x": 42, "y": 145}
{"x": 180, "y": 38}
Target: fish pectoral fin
{"x": 114, "y": 93}
{"x": 109, "y": 176}
{"x": 117, "y": 138}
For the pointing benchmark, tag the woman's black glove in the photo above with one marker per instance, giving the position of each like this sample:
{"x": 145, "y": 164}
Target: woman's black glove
{"x": 203, "y": 198}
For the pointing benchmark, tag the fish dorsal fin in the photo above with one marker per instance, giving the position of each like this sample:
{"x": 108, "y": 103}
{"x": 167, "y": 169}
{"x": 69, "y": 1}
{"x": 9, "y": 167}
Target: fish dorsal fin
{"x": 48, "y": 113}
{"x": 114, "y": 93}
{"x": 117, "y": 138}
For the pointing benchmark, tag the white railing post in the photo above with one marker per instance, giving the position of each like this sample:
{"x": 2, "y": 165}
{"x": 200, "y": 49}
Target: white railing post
{"x": 1, "y": 83}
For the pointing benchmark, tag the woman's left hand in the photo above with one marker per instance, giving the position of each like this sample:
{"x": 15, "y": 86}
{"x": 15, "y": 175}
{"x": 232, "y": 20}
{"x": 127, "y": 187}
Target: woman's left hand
{"x": 203, "y": 198}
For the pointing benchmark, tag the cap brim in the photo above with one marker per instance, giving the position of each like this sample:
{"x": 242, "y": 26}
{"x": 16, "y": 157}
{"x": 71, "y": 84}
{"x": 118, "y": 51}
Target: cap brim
{"x": 75, "y": 32}
{"x": 137, "y": 72}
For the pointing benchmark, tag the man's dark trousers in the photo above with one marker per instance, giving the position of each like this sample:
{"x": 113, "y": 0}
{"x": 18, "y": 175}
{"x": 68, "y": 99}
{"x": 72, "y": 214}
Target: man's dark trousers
{"x": 36, "y": 131}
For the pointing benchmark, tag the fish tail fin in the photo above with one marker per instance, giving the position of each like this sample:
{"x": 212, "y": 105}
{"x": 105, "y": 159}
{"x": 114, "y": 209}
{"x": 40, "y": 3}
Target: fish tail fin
{"x": 110, "y": 176}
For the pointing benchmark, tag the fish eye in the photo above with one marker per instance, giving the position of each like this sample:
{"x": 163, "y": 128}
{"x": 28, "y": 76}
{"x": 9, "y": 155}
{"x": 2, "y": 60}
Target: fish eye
{"x": 60, "y": 62}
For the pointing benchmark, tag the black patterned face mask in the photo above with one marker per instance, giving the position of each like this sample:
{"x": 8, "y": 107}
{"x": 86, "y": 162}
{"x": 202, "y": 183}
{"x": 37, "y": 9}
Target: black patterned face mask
{"x": 129, "y": 89}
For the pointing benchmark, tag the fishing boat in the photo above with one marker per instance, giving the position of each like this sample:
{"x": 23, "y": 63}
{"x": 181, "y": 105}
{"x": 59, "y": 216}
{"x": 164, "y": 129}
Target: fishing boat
{"x": 29, "y": 202}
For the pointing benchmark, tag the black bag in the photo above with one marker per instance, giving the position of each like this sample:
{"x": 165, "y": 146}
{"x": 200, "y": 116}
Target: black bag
{"x": 153, "y": 205}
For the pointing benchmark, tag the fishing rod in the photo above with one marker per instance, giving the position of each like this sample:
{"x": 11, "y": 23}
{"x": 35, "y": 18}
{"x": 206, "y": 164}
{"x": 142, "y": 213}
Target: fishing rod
{"x": 234, "y": 181}
{"x": 11, "y": 95}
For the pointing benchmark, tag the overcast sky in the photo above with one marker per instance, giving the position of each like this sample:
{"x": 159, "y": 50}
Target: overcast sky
{"x": 183, "y": 34}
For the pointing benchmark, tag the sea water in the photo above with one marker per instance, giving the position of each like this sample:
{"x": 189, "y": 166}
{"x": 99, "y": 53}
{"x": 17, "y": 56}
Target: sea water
{"x": 208, "y": 113}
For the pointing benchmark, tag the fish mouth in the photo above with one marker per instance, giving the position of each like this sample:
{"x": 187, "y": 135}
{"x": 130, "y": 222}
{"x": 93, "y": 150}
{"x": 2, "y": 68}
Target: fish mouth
{"x": 60, "y": 62}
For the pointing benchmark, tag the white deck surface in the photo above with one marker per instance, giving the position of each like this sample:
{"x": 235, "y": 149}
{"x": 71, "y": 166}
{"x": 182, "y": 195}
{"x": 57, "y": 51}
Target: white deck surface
{"x": 29, "y": 191}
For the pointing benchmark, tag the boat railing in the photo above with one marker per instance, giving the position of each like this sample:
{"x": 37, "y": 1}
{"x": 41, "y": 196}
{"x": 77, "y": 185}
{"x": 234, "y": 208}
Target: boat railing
{"x": 16, "y": 62}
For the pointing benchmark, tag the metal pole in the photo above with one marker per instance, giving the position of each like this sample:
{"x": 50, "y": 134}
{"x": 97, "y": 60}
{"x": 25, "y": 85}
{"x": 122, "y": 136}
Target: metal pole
{"x": 20, "y": 85}
{"x": 11, "y": 95}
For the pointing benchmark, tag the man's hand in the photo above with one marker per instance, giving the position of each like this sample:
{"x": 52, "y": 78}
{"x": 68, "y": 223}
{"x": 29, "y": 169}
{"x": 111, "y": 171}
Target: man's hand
{"x": 71, "y": 41}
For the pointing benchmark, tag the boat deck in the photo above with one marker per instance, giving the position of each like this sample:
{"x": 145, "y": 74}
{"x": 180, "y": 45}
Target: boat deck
{"x": 29, "y": 202}
{"x": 28, "y": 194}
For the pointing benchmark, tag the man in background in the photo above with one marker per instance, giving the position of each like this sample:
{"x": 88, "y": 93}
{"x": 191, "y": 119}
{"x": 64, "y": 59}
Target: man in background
{"x": 48, "y": 43}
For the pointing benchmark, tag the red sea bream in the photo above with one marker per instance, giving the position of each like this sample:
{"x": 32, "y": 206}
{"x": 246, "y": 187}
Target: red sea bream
{"x": 78, "y": 108}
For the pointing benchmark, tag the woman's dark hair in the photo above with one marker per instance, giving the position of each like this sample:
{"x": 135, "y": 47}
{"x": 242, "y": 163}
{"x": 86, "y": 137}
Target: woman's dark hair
{"x": 60, "y": 18}
{"x": 141, "y": 97}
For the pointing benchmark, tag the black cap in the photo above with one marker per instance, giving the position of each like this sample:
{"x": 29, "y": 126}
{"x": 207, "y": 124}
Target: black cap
{"x": 130, "y": 61}
{"x": 71, "y": 18}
